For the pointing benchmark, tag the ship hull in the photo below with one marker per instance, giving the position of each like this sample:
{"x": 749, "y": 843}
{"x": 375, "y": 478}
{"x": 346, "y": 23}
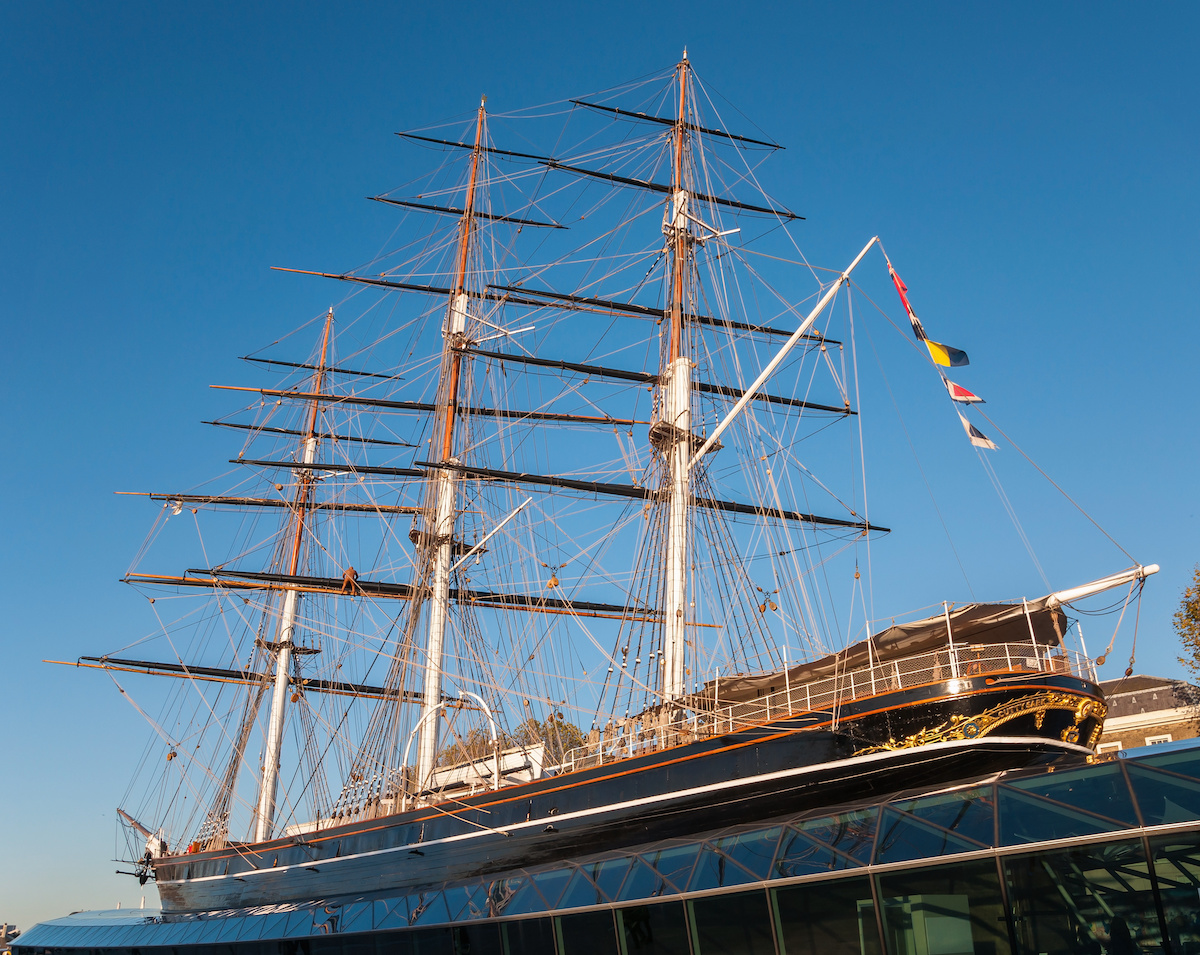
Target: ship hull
{"x": 885, "y": 743}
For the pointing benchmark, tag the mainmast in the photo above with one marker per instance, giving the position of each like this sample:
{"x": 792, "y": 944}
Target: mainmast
{"x": 285, "y": 639}
{"x": 676, "y": 413}
{"x": 440, "y": 538}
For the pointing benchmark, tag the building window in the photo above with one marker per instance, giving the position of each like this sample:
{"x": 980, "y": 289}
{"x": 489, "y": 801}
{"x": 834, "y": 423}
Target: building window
{"x": 1155, "y": 740}
{"x": 1110, "y": 747}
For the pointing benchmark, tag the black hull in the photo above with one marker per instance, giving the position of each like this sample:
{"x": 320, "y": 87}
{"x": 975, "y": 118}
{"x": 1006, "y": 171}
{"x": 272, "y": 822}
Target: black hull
{"x": 915, "y": 738}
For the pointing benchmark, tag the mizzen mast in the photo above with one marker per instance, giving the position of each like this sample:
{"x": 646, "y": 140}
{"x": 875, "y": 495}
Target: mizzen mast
{"x": 438, "y": 539}
{"x": 284, "y": 644}
{"x": 675, "y": 424}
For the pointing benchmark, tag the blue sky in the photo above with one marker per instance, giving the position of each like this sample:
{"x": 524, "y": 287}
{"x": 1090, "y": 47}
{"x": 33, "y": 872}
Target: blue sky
{"x": 1030, "y": 167}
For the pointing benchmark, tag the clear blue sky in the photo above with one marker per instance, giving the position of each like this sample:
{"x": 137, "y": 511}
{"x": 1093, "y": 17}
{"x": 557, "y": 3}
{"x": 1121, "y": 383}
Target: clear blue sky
{"x": 1031, "y": 168}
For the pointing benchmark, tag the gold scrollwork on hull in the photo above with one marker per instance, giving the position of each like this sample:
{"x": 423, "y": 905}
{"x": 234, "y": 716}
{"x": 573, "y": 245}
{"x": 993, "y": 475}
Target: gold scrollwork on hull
{"x": 972, "y": 727}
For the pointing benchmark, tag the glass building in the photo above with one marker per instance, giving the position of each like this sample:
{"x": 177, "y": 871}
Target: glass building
{"x": 1080, "y": 857}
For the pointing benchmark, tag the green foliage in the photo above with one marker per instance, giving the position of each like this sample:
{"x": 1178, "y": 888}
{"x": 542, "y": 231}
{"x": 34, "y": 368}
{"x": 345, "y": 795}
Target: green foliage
{"x": 558, "y": 735}
{"x": 1187, "y": 624}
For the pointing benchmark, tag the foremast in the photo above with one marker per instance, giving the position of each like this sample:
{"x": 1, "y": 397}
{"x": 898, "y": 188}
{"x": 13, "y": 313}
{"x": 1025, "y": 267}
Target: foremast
{"x": 285, "y": 645}
{"x": 439, "y": 538}
{"x": 676, "y": 413}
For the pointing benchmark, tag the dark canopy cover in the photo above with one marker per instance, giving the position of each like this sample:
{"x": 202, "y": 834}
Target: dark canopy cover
{"x": 971, "y": 624}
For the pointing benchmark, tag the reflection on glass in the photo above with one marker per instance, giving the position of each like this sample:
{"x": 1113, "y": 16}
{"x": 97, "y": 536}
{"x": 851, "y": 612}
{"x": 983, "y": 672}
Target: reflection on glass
{"x": 1185, "y": 762}
{"x": 751, "y": 850}
{"x": 1027, "y": 818}
{"x": 736, "y": 924}
{"x": 968, "y": 812}
{"x": 654, "y": 929}
{"x": 644, "y": 883}
{"x": 902, "y": 837}
{"x": 715, "y": 870}
{"x": 952, "y": 909}
{"x": 799, "y": 855}
{"x": 675, "y": 865}
{"x": 581, "y": 891}
{"x": 1091, "y": 899}
{"x": 1100, "y": 790}
{"x": 1163, "y": 797}
{"x": 552, "y": 883}
{"x": 827, "y": 918}
{"x": 850, "y": 833}
{"x": 1177, "y": 868}
{"x": 608, "y": 876}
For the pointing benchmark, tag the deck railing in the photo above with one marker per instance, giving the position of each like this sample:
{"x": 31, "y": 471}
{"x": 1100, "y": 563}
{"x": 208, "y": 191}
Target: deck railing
{"x": 648, "y": 733}
{"x": 671, "y": 726}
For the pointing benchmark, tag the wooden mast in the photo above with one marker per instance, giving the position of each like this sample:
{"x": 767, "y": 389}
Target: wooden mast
{"x": 285, "y": 639}
{"x": 439, "y": 539}
{"x": 676, "y": 415}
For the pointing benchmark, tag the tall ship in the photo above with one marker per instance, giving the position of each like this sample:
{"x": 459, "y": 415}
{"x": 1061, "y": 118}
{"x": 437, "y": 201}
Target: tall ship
{"x": 532, "y": 547}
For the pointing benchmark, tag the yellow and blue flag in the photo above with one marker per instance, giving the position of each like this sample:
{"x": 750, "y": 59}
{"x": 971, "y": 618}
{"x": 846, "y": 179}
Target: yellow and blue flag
{"x": 946, "y": 356}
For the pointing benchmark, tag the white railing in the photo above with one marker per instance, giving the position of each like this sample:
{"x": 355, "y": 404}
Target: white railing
{"x": 648, "y": 733}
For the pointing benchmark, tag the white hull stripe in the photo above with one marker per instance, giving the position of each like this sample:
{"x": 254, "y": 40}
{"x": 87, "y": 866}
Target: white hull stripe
{"x": 646, "y": 801}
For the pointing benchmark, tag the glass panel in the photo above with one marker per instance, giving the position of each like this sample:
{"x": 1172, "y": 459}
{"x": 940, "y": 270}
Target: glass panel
{"x": 753, "y": 850}
{"x": 798, "y": 855}
{"x": 1163, "y": 798}
{"x": 827, "y": 918}
{"x": 457, "y": 899}
{"x": 969, "y": 812}
{"x": 525, "y": 899}
{"x": 581, "y": 891}
{"x": 391, "y": 913}
{"x": 609, "y": 875}
{"x": 1100, "y": 790}
{"x": 1177, "y": 867}
{"x": 654, "y": 929}
{"x": 477, "y": 903}
{"x": 952, "y": 909}
{"x": 587, "y": 933}
{"x": 715, "y": 870}
{"x": 358, "y": 944}
{"x": 1087, "y": 899}
{"x": 736, "y": 924}
{"x": 902, "y": 838}
{"x": 552, "y": 883}
{"x": 1185, "y": 762}
{"x": 501, "y": 893}
{"x": 391, "y": 943}
{"x": 356, "y": 917}
{"x": 528, "y": 937}
{"x": 643, "y": 883}
{"x": 852, "y": 833}
{"x": 675, "y": 864}
{"x": 427, "y": 908}
{"x": 431, "y": 941}
{"x": 273, "y": 926}
{"x": 1026, "y": 818}
{"x": 476, "y": 939}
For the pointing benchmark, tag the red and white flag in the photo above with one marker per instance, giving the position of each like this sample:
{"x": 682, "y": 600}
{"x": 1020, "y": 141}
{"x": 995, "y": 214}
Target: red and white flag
{"x": 959, "y": 393}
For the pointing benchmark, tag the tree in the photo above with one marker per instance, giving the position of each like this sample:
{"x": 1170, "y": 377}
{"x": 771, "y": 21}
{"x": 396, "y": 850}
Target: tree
{"x": 1187, "y": 624}
{"x": 558, "y": 734}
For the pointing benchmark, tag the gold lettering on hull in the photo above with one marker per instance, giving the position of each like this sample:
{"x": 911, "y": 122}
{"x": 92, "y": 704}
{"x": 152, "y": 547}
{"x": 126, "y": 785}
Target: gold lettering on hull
{"x": 1038, "y": 704}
